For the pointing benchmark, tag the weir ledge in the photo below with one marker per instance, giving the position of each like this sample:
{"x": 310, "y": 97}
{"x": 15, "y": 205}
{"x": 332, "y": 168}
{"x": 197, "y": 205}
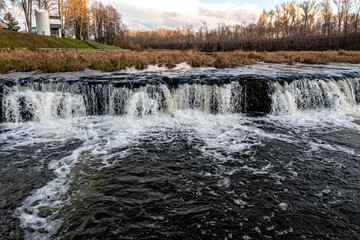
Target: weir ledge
{"x": 256, "y": 90}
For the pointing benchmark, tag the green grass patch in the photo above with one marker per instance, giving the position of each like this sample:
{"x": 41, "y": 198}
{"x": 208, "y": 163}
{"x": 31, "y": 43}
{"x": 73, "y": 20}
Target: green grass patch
{"x": 11, "y": 39}
{"x": 102, "y": 46}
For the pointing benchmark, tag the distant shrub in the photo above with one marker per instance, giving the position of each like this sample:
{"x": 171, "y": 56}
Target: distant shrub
{"x": 141, "y": 63}
{"x": 221, "y": 61}
{"x": 136, "y": 48}
{"x": 342, "y": 53}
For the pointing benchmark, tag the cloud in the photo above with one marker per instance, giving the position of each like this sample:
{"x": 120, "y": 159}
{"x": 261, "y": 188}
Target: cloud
{"x": 14, "y": 10}
{"x": 172, "y": 20}
{"x": 145, "y": 15}
{"x": 230, "y": 15}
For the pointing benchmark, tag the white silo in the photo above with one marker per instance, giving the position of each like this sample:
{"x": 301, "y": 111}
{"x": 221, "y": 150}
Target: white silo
{"x": 42, "y": 22}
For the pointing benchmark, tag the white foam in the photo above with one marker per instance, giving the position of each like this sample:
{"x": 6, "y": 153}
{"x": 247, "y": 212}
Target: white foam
{"x": 42, "y": 105}
{"x": 220, "y": 136}
{"x": 100, "y": 135}
{"x": 304, "y": 94}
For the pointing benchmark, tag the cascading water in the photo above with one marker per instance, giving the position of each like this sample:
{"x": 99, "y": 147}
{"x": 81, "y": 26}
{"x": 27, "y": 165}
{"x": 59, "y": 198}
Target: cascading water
{"x": 315, "y": 94}
{"x": 212, "y": 155}
{"x": 20, "y": 106}
{"x": 49, "y": 101}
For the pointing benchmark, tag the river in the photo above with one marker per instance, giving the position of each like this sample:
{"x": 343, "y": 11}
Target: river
{"x": 265, "y": 153}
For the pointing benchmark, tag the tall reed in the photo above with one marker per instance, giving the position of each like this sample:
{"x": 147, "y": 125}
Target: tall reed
{"x": 50, "y": 61}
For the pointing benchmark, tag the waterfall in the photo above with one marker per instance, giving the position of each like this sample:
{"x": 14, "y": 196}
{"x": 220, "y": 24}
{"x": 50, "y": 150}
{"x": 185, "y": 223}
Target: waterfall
{"x": 50, "y": 101}
{"x": 32, "y": 99}
{"x": 304, "y": 94}
{"x": 28, "y": 105}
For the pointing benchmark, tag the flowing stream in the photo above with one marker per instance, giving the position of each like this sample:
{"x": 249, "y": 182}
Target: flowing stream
{"x": 181, "y": 155}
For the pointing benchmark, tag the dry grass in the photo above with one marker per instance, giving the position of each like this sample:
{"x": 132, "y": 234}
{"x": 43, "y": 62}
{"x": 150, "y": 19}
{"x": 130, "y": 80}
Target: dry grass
{"x": 49, "y": 61}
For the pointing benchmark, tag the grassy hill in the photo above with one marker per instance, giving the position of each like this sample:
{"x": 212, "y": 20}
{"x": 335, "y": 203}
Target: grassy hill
{"x": 101, "y": 46}
{"x": 11, "y": 39}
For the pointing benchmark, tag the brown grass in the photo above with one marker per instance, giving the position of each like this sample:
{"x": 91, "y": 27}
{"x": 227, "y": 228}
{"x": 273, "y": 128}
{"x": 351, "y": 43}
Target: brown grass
{"x": 50, "y": 61}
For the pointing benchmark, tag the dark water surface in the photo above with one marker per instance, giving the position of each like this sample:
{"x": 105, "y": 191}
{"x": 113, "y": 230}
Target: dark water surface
{"x": 250, "y": 177}
{"x": 184, "y": 173}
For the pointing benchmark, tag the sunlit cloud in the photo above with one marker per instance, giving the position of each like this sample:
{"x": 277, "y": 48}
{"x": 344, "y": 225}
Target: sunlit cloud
{"x": 145, "y": 15}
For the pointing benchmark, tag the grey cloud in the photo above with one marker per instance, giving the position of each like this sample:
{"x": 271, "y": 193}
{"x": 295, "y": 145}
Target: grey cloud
{"x": 166, "y": 19}
{"x": 238, "y": 15}
{"x": 173, "y": 19}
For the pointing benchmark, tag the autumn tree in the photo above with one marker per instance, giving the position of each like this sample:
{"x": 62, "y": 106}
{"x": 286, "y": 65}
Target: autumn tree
{"x": 285, "y": 18}
{"x": 262, "y": 23}
{"x": 77, "y": 16}
{"x": 294, "y": 18}
{"x": 271, "y": 15}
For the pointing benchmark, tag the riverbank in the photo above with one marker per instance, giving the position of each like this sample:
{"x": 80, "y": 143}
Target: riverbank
{"x": 20, "y": 40}
{"x": 50, "y": 61}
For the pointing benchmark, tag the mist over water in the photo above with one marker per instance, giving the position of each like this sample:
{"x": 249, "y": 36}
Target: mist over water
{"x": 103, "y": 159}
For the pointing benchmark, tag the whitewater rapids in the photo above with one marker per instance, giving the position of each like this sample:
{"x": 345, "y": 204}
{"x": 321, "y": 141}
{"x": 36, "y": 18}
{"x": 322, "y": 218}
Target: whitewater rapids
{"x": 98, "y": 158}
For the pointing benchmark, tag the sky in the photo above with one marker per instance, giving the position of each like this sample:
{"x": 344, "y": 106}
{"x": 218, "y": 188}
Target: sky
{"x": 152, "y": 14}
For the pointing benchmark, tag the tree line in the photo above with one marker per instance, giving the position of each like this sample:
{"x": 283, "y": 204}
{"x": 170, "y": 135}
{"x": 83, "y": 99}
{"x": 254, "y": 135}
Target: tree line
{"x": 305, "y": 25}
{"x": 78, "y": 18}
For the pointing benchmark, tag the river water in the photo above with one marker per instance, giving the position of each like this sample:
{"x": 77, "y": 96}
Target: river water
{"x": 160, "y": 162}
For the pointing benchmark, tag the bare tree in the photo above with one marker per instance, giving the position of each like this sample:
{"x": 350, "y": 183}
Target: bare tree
{"x": 45, "y": 4}
{"x": 347, "y": 5}
{"x": 357, "y": 15}
{"x": 62, "y": 12}
{"x": 308, "y": 14}
{"x": 327, "y": 14}
{"x": 106, "y": 23}
{"x": 277, "y": 20}
{"x": 2, "y": 4}
{"x": 340, "y": 13}
{"x": 26, "y": 6}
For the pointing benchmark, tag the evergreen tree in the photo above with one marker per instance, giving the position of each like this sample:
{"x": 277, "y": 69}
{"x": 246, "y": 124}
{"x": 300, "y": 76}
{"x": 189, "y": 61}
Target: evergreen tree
{"x": 10, "y": 22}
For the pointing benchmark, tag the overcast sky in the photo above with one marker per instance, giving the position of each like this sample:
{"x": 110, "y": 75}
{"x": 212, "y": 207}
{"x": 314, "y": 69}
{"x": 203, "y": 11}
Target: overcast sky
{"x": 152, "y": 14}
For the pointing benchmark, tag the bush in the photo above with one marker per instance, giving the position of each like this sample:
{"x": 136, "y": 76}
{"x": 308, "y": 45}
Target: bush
{"x": 136, "y": 48}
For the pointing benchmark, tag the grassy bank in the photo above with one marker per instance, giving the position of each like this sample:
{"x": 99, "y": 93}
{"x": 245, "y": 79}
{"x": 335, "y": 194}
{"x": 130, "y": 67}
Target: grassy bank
{"x": 49, "y": 61}
{"x": 11, "y": 39}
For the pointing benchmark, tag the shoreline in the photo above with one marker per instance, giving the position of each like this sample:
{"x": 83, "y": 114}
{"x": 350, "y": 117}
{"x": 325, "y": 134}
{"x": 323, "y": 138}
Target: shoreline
{"x": 259, "y": 68}
{"x": 52, "y": 61}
